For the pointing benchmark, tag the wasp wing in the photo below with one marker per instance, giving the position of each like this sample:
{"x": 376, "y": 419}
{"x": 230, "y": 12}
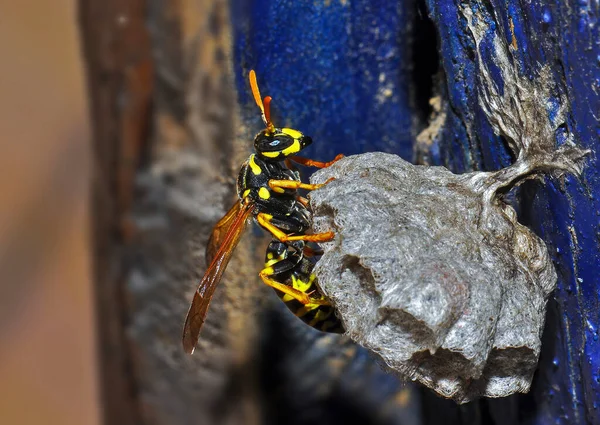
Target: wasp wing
{"x": 199, "y": 307}
{"x": 220, "y": 231}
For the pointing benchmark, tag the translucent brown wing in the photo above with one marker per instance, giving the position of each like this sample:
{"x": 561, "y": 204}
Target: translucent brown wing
{"x": 197, "y": 312}
{"x": 220, "y": 231}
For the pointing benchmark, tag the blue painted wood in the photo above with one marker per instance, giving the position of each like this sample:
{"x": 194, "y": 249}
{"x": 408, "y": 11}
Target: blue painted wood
{"x": 340, "y": 70}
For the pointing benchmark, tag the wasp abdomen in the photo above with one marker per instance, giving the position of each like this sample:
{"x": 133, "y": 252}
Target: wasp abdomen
{"x": 289, "y": 266}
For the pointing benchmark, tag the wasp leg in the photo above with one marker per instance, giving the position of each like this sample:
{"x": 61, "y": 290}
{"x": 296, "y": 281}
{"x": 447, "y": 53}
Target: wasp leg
{"x": 292, "y": 184}
{"x": 313, "y": 163}
{"x": 266, "y": 276}
{"x": 265, "y": 221}
{"x": 302, "y": 200}
{"x": 310, "y": 252}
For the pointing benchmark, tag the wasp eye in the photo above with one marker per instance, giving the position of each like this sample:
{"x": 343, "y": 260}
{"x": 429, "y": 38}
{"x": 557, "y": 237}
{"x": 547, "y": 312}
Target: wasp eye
{"x": 272, "y": 142}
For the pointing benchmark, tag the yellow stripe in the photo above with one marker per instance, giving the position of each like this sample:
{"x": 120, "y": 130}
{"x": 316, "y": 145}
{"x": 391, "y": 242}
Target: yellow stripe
{"x": 254, "y": 166}
{"x": 300, "y": 285}
{"x": 264, "y": 193}
{"x": 271, "y": 262}
{"x": 291, "y": 132}
{"x": 271, "y": 154}
{"x": 246, "y": 193}
{"x": 294, "y": 148}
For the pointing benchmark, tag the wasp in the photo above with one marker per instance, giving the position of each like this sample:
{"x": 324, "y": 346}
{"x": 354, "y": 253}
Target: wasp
{"x": 267, "y": 187}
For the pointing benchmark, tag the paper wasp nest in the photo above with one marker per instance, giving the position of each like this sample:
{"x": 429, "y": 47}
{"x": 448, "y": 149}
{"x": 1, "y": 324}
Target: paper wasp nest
{"x": 446, "y": 288}
{"x": 431, "y": 270}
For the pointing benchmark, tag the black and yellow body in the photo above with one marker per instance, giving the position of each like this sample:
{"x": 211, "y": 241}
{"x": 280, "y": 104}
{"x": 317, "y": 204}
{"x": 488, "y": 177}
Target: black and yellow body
{"x": 285, "y": 261}
{"x": 268, "y": 192}
{"x": 288, "y": 265}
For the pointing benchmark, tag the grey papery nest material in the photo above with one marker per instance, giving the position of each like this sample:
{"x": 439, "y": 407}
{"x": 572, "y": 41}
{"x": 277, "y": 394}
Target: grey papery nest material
{"x": 432, "y": 272}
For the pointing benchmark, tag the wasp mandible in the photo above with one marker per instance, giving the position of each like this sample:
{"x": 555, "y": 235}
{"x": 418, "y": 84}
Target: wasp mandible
{"x": 267, "y": 188}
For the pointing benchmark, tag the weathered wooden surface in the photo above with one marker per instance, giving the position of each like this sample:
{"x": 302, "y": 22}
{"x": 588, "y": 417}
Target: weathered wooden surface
{"x": 164, "y": 127}
{"x": 181, "y": 193}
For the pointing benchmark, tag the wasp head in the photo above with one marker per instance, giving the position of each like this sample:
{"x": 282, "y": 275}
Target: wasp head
{"x": 280, "y": 143}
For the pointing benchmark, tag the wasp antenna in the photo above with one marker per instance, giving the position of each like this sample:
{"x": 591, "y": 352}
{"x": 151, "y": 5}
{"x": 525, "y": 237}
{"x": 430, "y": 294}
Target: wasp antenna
{"x": 267, "y": 113}
{"x": 264, "y": 108}
{"x": 267, "y": 106}
{"x": 256, "y": 91}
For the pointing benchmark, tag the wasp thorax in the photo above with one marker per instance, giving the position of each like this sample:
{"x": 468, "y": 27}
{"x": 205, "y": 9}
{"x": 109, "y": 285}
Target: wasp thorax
{"x": 280, "y": 143}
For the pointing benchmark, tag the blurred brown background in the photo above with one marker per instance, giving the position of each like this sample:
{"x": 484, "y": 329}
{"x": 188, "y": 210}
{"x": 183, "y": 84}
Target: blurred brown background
{"x": 47, "y": 372}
